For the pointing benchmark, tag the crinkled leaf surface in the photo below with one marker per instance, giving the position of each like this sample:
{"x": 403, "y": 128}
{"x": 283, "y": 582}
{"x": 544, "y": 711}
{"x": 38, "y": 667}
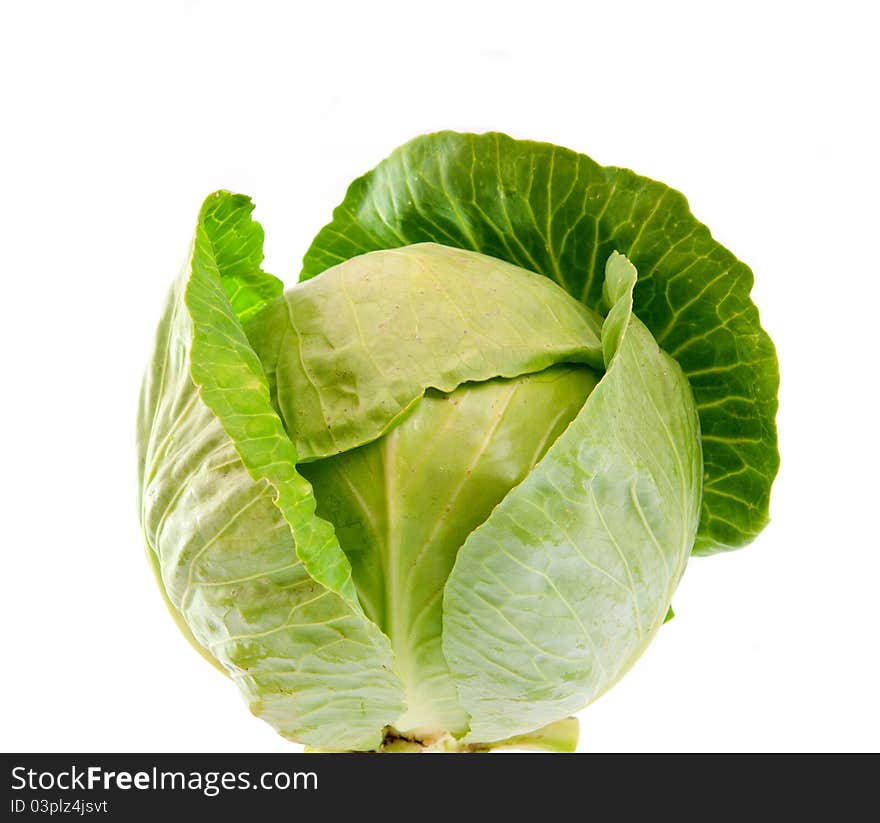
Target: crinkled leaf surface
{"x": 556, "y": 594}
{"x": 558, "y": 213}
{"x": 257, "y": 580}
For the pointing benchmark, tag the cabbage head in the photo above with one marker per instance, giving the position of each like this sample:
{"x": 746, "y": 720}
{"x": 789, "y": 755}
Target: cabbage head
{"x": 439, "y": 493}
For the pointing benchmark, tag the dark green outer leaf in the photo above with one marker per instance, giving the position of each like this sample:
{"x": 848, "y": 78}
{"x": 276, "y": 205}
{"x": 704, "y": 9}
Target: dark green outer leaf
{"x": 559, "y": 213}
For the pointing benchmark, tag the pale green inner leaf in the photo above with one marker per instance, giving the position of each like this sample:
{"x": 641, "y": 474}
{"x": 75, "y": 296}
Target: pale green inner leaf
{"x": 404, "y": 504}
{"x": 348, "y": 353}
{"x": 259, "y": 583}
{"x": 559, "y": 591}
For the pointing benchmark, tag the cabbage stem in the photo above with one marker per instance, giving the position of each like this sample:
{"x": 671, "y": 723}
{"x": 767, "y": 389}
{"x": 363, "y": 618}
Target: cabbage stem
{"x": 560, "y": 737}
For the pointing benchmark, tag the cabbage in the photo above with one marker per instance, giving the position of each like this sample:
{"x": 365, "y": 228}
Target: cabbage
{"x": 438, "y": 494}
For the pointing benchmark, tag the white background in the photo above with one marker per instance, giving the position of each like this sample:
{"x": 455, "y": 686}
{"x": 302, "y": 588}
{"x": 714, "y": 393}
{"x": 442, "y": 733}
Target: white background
{"x": 119, "y": 118}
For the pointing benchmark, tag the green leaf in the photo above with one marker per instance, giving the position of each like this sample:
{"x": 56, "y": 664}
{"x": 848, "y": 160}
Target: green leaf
{"x": 556, "y": 594}
{"x": 235, "y": 243}
{"x": 350, "y": 352}
{"x": 258, "y": 580}
{"x": 558, "y": 213}
{"x": 404, "y": 504}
